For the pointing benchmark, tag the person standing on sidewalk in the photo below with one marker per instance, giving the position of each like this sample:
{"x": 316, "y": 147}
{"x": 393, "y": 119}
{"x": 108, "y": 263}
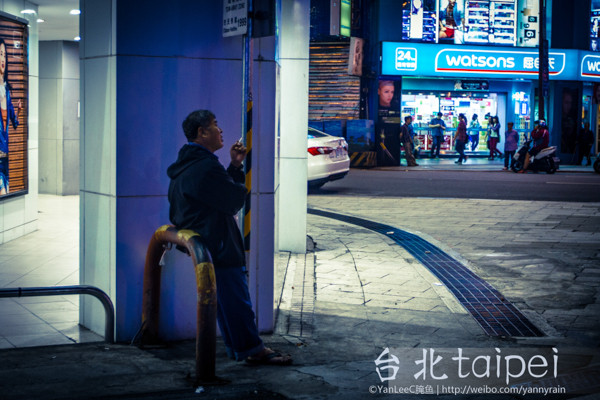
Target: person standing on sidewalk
{"x": 494, "y": 137}
{"x": 474, "y": 129}
{"x": 407, "y": 134}
{"x": 585, "y": 141}
{"x": 511, "y": 143}
{"x": 461, "y": 138}
{"x": 438, "y": 127}
{"x": 204, "y": 197}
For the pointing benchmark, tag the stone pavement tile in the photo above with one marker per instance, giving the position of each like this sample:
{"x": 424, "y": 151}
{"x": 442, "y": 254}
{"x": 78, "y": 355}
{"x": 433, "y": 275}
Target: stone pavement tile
{"x": 556, "y": 318}
{"x": 562, "y": 276}
{"x": 591, "y": 309}
{"x": 393, "y": 322}
{"x": 340, "y": 272}
{"x": 393, "y": 263}
{"x": 390, "y": 302}
{"x": 415, "y": 288}
{"x": 413, "y": 304}
{"x": 340, "y": 309}
{"x": 346, "y": 290}
{"x": 440, "y": 334}
{"x": 585, "y": 321}
{"x": 348, "y": 299}
{"x": 332, "y": 275}
{"x": 401, "y": 268}
{"x": 421, "y": 304}
{"x": 593, "y": 280}
{"x": 391, "y": 279}
{"x": 593, "y": 269}
{"x": 385, "y": 263}
{"x": 323, "y": 284}
{"x": 370, "y": 246}
{"x": 376, "y": 288}
{"x": 343, "y": 377}
{"x": 340, "y": 288}
{"x": 545, "y": 269}
{"x": 358, "y": 255}
{"x": 330, "y": 255}
{"x": 334, "y": 289}
{"x": 384, "y": 314}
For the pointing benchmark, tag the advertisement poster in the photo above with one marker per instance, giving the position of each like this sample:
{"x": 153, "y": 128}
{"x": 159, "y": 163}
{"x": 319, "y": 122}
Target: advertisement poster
{"x": 419, "y": 21}
{"x": 595, "y": 26}
{"x": 528, "y": 24}
{"x": 13, "y": 106}
{"x": 355, "y": 56}
{"x": 500, "y": 22}
{"x": 451, "y": 21}
{"x": 387, "y": 130}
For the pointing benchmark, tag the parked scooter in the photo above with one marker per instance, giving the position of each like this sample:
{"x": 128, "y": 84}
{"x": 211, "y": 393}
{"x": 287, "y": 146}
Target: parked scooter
{"x": 545, "y": 160}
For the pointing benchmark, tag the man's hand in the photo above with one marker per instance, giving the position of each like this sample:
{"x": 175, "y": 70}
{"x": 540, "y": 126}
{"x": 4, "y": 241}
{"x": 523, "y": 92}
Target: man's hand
{"x": 238, "y": 153}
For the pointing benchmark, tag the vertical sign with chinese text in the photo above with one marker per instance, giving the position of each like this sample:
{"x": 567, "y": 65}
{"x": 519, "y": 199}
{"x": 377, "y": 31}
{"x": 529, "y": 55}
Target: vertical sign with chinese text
{"x": 235, "y": 17}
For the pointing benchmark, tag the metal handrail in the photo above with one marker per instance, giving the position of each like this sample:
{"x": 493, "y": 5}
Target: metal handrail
{"x": 206, "y": 323}
{"x": 109, "y": 310}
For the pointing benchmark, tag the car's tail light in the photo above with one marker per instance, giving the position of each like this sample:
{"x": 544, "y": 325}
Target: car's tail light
{"x": 315, "y": 151}
{"x": 345, "y": 145}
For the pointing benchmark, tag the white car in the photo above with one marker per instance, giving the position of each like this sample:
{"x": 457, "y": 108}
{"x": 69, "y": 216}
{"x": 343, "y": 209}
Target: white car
{"x": 327, "y": 158}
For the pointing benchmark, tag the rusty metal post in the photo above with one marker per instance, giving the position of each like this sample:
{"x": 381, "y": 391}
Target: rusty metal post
{"x": 206, "y": 328}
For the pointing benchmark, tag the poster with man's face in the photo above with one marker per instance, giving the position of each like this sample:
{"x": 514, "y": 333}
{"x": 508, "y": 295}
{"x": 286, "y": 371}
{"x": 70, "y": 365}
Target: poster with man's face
{"x": 14, "y": 85}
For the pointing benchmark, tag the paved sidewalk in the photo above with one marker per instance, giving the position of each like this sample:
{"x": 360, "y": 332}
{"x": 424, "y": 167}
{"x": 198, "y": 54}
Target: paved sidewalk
{"x": 543, "y": 256}
{"x": 475, "y": 164}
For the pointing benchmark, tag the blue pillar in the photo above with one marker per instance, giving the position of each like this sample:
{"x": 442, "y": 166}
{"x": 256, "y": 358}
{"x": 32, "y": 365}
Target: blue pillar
{"x": 144, "y": 67}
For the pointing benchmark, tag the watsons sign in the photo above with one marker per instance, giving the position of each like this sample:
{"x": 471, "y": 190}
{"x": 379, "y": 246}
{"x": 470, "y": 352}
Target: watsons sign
{"x": 494, "y": 62}
{"x": 590, "y": 67}
{"x": 456, "y": 62}
{"x": 422, "y": 59}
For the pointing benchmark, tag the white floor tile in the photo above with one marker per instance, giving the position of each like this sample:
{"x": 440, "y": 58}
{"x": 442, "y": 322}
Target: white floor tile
{"x": 46, "y": 257}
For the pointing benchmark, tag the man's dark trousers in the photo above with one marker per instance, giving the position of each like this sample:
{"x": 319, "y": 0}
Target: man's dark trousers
{"x": 235, "y": 315}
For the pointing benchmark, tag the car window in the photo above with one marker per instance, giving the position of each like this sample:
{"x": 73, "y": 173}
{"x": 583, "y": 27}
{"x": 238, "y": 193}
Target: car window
{"x": 313, "y": 133}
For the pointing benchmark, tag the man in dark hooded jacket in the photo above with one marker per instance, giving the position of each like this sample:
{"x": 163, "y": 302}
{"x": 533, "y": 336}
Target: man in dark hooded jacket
{"x": 204, "y": 197}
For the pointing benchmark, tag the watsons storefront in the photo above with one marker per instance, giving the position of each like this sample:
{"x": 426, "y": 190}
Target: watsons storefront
{"x": 430, "y": 78}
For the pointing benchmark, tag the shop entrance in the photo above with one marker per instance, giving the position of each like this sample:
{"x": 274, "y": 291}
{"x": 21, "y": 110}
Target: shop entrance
{"x": 424, "y": 106}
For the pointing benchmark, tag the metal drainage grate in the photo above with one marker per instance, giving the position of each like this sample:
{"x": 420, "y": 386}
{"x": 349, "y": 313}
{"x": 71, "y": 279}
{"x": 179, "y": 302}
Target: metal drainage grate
{"x": 491, "y": 310}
